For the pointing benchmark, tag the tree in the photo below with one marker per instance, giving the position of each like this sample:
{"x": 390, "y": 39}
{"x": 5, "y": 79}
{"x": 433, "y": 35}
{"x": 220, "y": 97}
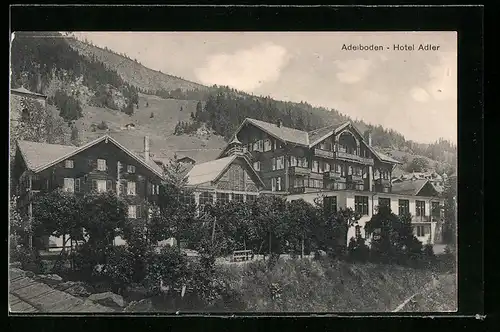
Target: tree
{"x": 418, "y": 164}
{"x": 199, "y": 110}
{"x": 269, "y": 215}
{"x": 302, "y": 217}
{"x": 393, "y": 239}
{"x": 39, "y": 124}
{"x": 129, "y": 109}
{"x": 75, "y": 136}
{"x": 450, "y": 212}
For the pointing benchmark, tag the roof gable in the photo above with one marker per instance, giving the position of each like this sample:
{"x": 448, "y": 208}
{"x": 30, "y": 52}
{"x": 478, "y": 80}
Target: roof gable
{"x": 414, "y": 188}
{"x": 211, "y": 171}
{"x": 59, "y": 153}
{"x": 318, "y": 135}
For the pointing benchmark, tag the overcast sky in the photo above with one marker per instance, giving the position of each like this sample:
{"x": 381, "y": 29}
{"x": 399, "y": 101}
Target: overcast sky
{"x": 413, "y": 92}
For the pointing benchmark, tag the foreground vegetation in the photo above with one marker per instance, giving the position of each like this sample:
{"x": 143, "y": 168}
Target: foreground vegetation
{"x": 338, "y": 277}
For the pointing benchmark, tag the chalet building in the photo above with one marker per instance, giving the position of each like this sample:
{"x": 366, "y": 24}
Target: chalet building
{"x": 100, "y": 165}
{"x": 231, "y": 177}
{"x": 336, "y": 164}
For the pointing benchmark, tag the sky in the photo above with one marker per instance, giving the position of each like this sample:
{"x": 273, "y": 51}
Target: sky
{"x": 411, "y": 91}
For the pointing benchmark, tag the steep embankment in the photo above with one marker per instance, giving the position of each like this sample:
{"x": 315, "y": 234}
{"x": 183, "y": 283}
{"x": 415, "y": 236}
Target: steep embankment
{"x": 312, "y": 286}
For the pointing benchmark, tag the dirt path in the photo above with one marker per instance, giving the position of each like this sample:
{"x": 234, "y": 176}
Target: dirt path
{"x": 440, "y": 294}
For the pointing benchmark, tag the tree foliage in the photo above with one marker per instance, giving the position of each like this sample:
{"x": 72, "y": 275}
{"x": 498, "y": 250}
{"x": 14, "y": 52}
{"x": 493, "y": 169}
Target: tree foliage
{"x": 418, "y": 164}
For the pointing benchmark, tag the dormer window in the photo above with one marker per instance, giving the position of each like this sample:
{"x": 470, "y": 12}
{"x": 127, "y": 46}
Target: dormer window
{"x": 69, "y": 164}
{"x": 130, "y": 168}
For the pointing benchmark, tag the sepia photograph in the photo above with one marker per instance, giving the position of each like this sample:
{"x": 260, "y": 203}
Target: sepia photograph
{"x": 233, "y": 172}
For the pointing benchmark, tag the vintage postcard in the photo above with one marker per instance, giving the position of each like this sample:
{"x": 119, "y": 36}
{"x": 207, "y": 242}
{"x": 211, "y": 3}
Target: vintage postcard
{"x": 233, "y": 172}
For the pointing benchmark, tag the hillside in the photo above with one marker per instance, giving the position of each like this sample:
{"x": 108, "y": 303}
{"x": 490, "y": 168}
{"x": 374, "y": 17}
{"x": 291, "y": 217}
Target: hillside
{"x": 131, "y": 71}
{"x": 91, "y": 85}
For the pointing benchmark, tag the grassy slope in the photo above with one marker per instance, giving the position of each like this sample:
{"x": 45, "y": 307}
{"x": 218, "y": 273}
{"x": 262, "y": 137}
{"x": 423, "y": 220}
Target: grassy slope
{"x": 325, "y": 286}
{"x": 160, "y": 128}
{"x": 132, "y": 72}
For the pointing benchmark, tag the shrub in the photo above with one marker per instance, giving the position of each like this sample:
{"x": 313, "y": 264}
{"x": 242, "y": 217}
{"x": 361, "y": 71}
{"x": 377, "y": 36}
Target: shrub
{"x": 358, "y": 250}
{"x": 118, "y": 269}
{"x": 168, "y": 267}
{"x": 102, "y": 126}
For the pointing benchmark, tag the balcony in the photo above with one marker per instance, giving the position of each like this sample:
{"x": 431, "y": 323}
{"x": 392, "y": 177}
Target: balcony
{"x": 334, "y": 176}
{"x": 352, "y": 157}
{"x": 420, "y": 219}
{"x": 383, "y": 182}
{"x": 324, "y": 153}
{"x": 355, "y": 178}
{"x": 298, "y": 170}
{"x": 306, "y": 189}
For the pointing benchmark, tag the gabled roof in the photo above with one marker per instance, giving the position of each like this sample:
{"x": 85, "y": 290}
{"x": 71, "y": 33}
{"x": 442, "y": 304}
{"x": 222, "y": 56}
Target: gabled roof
{"x": 317, "y": 135}
{"x": 386, "y": 158}
{"x": 34, "y": 154}
{"x": 211, "y": 170}
{"x": 286, "y": 134}
{"x": 410, "y": 187}
{"x": 23, "y": 90}
{"x": 37, "y": 155}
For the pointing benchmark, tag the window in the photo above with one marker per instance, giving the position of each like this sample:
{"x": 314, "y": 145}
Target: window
{"x": 330, "y": 204}
{"x": 238, "y": 198}
{"x": 256, "y": 165}
{"x": 359, "y": 171}
{"x": 298, "y": 182}
{"x": 338, "y": 168}
{"x": 205, "y": 199}
{"x": 361, "y": 204}
{"x": 273, "y": 184}
{"x": 280, "y": 162}
{"x": 273, "y": 161}
{"x": 293, "y": 161}
{"x": 404, "y": 207}
{"x": 384, "y": 201}
{"x": 326, "y": 167}
{"x": 132, "y": 211}
{"x": 131, "y": 188}
{"x": 267, "y": 145}
{"x": 278, "y": 183}
{"x": 422, "y": 230}
{"x": 223, "y": 197}
{"x": 130, "y": 168}
{"x": 77, "y": 185}
{"x": 420, "y": 208}
{"x": 339, "y": 186}
{"x": 314, "y": 183}
{"x": 349, "y": 170}
{"x": 69, "y": 164}
{"x": 99, "y": 185}
{"x": 109, "y": 185}
{"x": 302, "y": 162}
{"x": 101, "y": 164}
{"x": 69, "y": 185}
{"x": 315, "y": 166}
{"x": 436, "y": 209}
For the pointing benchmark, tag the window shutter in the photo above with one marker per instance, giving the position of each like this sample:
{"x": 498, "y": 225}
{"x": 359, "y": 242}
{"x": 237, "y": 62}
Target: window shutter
{"x": 77, "y": 185}
{"x": 109, "y": 185}
{"x": 138, "y": 211}
{"x": 94, "y": 185}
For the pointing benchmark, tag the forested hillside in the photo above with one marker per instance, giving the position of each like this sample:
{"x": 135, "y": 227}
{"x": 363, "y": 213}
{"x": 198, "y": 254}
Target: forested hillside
{"x": 76, "y": 75}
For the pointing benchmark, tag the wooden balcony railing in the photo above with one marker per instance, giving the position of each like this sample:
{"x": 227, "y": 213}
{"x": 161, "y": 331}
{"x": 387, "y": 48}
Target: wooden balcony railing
{"x": 324, "y": 153}
{"x": 298, "y": 170}
{"x": 355, "y": 178}
{"x": 352, "y": 157}
{"x": 334, "y": 176}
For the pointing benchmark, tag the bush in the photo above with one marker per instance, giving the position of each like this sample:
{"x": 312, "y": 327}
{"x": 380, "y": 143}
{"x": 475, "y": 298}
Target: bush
{"x": 118, "y": 269}
{"x": 358, "y": 250}
{"x": 152, "y": 115}
{"x": 102, "y": 126}
{"x": 168, "y": 267}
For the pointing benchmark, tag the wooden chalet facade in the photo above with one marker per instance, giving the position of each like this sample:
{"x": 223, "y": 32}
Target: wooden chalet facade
{"x": 100, "y": 165}
{"x": 338, "y": 165}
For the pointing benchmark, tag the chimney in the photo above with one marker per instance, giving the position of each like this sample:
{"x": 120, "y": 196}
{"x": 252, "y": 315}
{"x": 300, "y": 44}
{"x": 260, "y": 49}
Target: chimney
{"x": 146, "y": 148}
{"x": 279, "y": 123}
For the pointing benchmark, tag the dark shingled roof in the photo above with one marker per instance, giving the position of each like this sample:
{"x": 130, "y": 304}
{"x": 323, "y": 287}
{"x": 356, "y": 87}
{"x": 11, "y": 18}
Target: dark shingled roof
{"x": 410, "y": 187}
{"x": 39, "y": 154}
{"x": 285, "y": 133}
